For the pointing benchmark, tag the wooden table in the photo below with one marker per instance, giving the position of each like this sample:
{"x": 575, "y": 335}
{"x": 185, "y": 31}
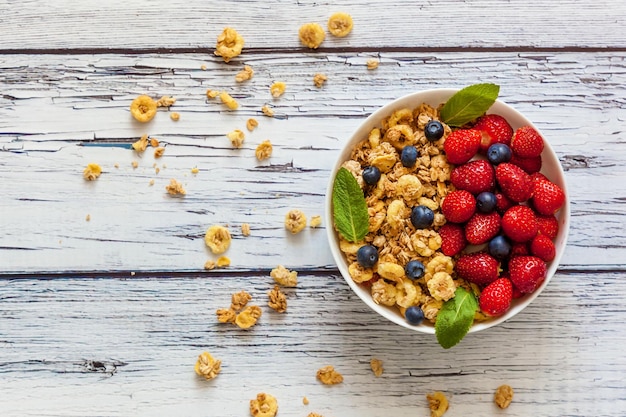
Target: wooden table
{"x": 106, "y": 317}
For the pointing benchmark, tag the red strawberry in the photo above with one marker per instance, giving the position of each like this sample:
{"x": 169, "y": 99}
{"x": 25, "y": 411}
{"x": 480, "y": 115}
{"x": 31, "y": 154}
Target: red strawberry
{"x": 527, "y": 142}
{"x": 452, "y": 239}
{"x": 547, "y": 197}
{"x": 458, "y": 206}
{"x": 496, "y": 298}
{"x": 548, "y": 225}
{"x": 527, "y": 272}
{"x": 474, "y": 176}
{"x": 478, "y": 267}
{"x": 536, "y": 176}
{"x": 517, "y": 293}
{"x": 542, "y": 247}
{"x": 494, "y": 129}
{"x": 519, "y": 223}
{"x": 503, "y": 203}
{"x": 530, "y": 165}
{"x": 482, "y": 227}
{"x": 519, "y": 249}
{"x": 514, "y": 182}
{"x": 461, "y": 145}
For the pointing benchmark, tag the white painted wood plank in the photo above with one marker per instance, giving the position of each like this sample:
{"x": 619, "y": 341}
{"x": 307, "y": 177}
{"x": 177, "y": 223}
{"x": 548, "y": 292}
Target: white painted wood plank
{"x": 144, "y": 24}
{"x": 51, "y": 105}
{"x": 562, "y": 355}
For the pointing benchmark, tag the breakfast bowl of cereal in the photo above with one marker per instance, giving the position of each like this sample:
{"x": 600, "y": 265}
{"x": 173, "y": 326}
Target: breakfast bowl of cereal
{"x": 449, "y": 211}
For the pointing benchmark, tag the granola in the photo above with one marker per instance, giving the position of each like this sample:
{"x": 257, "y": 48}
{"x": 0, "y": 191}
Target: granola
{"x": 278, "y": 89}
{"x": 277, "y": 300}
{"x": 311, "y": 35}
{"x": 295, "y": 221}
{"x": 329, "y": 376}
{"x": 92, "y": 172}
{"x": 263, "y": 150}
{"x": 340, "y": 24}
{"x": 503, "y": 396}
{"x": 207, "y": 366}
{"x": 229, "y": 44}
{"x": 239, "y": 300}
{"x": 438, "y": 403}
{"x": 264, "y": 405}
{"x": 283, "y": 276}
{"x": 245, "y": 74}
{"x": 319, "y": 79}
{"x": 217, "y": 238}
{"x": 377, "y": 366}
{"x": 248, "y": 317}
{"x": 175, "y": 188}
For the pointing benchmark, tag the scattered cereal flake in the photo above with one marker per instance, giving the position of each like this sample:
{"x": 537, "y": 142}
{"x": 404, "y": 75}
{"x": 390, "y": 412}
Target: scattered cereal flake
{"x": 207, "y": 366}
{"x": 195, "y": 170}
{"x": 251, "y": 124}
{"x": 503, "y": 396}
{"x": 284, "y": 277}
{"x": 263, "y": 150}
{"x": 226, "y": 315}
{"x": 340, "y": 24}
{"x": 239, "y": 300}
{"x": 210, "y": 264}
{"x": 438, "y": 403}
{"x": 116, "y": 165}
{"x": 92, "y": 172}
{"x": 245, "y": 229}
{"x": 319, "y": 79}
{"x": 311, "y": 35}
{"x": 265, "y": 405}
{"x": 154, "y": 142}
{"x": 229, "y": 44}
{"x": 248, "y": 317}
{"x": 143, "y": 108}
{"x": 295, "y": 221}
{"x": 217, "y": 238}
{"x": 305, "y": 401}
{"x": 229, "y": 101}
{"x": 203, "y": 67}
{"x": 236, "y": 138}
{"x": 158, "y": 152}
{"x": 223, "y": 261}
{"x": 267, "y": 110}
{"x": 88, "y": 217}
{"x": 278, "y": 89}
{"x": 132, "y": 274}
{"x": 245, "y": 74}
{"x": 166, "y": 101}
{"x": 328, "y": 376}
{"x": 175, "y": 116}
{"x": 157, "y": 169}
{"x": 278, "y": 299}
{"x": 212, "y": 93}
{"x": 372, "y": 64}
{"x": 316, "y": 221}
{"x": 151, "y": 183}
{"x": 135, "y": 164}
{"x": 377, "y": 366}
{"x": 141, "y": 144}
{"x": 175, "y": 188}
{"x": 314, "y": 415}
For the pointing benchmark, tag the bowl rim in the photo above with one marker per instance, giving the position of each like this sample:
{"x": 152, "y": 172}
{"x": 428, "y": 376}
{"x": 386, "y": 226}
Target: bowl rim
{"x": 435, "y": 97}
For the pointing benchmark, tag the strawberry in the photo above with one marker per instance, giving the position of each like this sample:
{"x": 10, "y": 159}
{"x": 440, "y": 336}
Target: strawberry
{"x": 503, "y": 203}
{"x": 452, "y": 239}
{"x": 527, "y": 273}
{"x": 530, "y": 165}
{"x": 542, "y": 247}
{"x": 475, "y": 176}
{"x": 514, "y": 182}
{"x": 496, "y": 298}
{"x": 482, "y": 227}
{"x": 519, "y": 249}
{"x": 527, "y": 142}
{"x": 548, "y": 225}
{"x": 478, "y": 267}
{"x": 461, "y": 145}
{"x": 519, "y": 223}
{"x": 536, "y": 176}
{"x": 458, "y": 206}
{"x": 547, "y": 197}
{"x": 494, "y": 129}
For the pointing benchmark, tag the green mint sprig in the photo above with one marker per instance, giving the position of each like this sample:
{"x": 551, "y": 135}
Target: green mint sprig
{"x": 469, "y": 103}
{"x": 455, "y": 318}
{"x": 349, "y": 207}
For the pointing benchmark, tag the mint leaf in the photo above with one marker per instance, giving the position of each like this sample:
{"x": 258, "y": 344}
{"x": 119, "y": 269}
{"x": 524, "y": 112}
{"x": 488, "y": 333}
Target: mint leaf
{"x": 349, "y": 207}
{"x": 455, "y": 318}
{"x": 469, "y": 103}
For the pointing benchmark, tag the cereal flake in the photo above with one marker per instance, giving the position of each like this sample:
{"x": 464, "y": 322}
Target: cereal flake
{"x": 245, "y": 229}
{"x": 372, "y": 64}
{"x": 329, "y": 376}
{"x": 278, "y": 89}
{"x": 311, "y": 35}
{"x": 263, "y": 150}
{"x": 438, "y": 403}
{"x": 218, "y": 239}
{"x": 319, "y": 79}
{"x": 158, "y": 152}
{"x": 207, "y": 366}
{"x": 285, "y": 277}
{"x": 175, "y": 188}
{"x": 316, "y": 221}
{"x": 228, "y": 100}
{"x": 248, "y": 317}
{"x": 236, "y": 138}
{"x": 340, "y": 24}
{"x": 166, "y": 101}
{"x": 251, "y": 124}
{"x": 92, "y": 172}
{"x": 175, "y": 116}
{"x": 239, "y": 300}
{"x": 503, "y": 396}
{"x": 141, "y": 144}
{"x": 277, "y": 300}
{"x": 295, "y": 221}
{"x": 264, "y": 405}
{"x": 143, "y": 108}
{"x": 229, "y": 44}
{"x": 267, "y": 110}
{"x": 377, "y": 366}
{"x": 245, "y": 74}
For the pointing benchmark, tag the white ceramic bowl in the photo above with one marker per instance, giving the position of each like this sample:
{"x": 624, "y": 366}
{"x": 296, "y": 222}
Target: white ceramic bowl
{"x": 551, "y": 168}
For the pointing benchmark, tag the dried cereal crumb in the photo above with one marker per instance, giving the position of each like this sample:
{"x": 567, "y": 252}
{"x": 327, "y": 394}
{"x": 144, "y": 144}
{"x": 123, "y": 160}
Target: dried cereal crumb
{"x": 226, "y": 315}
{"x": 245, "y": 74}
{"x": 157, "y": 169}
{"x": 319, "y": 79}
{"x": 377, "y": 366}
{"x": 141, "y": 144}
{"x": 284, "y": 277}
{"x": 314, "y": 415}
{"x": 239, "y": 300}
{"x": 134, "y": 164}
{"x": 316, "y": 221}
{"x": 503, "y": 396}
{"x": 143, "y": 108}
{"x": 372, "y": 64}
{"x": 229, "y": 44}
{"x": 207, "y": 366}
{"x": 218, "y": 239}
{"x": 229, "y": 101}
{"x": 158, "y": 152}
{"x": 203, "y": 67}
{"x": 209, "y": 265}
{"x": 263, "y": 150}
{"x": 223, "y": 261}
{"x": 154, "y": 142}
{"x": 340, "y": 24}
{"x": 116, "y": 165}
{"x": 175, "y": 116}
{"x": 251, "y": 124}
{"x": 92, "y": 172}
{"x": 295, "y": 221}
{"x": 278, "y": 89}
{"x": 438, "y": 403}
{"x": 248, "y": 317}
{"x": 236, "y": 138}
{"x": 151, "y": 183}
{"x": 175, "y": 188}
{"x": 88, "y": 217}
{"x": 305, "y": 401}
{"x": 245, "y": 229}
{"x": 212, "y": 93}
{"x": 195, "y": 170}
{"x": 166, "y": 101}
{"x": 329, "y": 376}
{"x": 277, "y": 300}
{"x": 264, "y": 405}
{"x": 311, "y": 35}
{"x": 267, "y": 110}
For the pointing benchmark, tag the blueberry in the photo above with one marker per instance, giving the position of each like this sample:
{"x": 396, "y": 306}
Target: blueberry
{"x": 486, "y": 202}
{"x": 414, "y": 315}
{"x": 371, "y": 175}
{"x": 409, "y": 156}
{"x": 433, "y": 130}
{"x": 414, "y": 269}
{"x": 498, "y": 153}
{"x": 499, "y": 247}
{"x": 367, "y": 256}
{"x": 422, "y": 217}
